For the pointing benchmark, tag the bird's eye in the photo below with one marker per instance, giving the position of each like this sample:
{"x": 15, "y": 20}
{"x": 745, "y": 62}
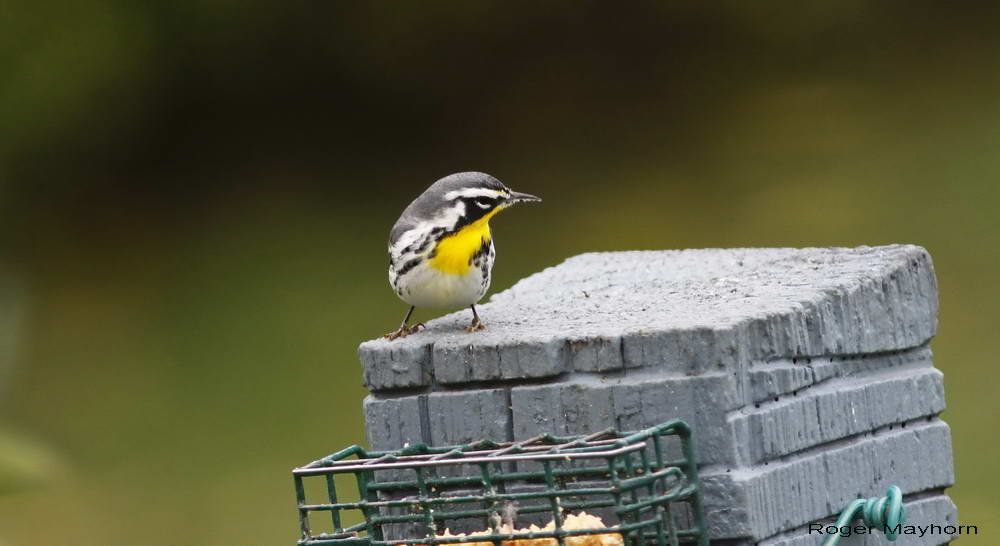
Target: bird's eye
{"x": 482, "y": 204}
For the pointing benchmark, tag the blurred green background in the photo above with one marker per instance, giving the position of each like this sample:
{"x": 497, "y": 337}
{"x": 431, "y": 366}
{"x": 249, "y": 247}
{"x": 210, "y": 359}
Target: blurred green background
{"x": 195, "y": 199}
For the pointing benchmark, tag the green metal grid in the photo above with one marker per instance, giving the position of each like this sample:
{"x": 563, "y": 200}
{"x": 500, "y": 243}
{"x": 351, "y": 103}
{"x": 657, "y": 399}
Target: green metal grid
{"x": 409, "y": 496}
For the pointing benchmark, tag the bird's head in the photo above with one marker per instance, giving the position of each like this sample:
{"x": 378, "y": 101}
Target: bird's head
{"x": 449, "y": 205}
{"x": 468, "y": 197}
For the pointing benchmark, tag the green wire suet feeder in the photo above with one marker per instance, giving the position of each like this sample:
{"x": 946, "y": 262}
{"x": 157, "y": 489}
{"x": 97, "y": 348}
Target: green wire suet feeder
{"x": 644, "y": 485}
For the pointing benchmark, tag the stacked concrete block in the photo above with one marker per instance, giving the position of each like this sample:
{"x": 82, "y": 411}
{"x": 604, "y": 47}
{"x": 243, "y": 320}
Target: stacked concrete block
{"x": 806, "y": 374}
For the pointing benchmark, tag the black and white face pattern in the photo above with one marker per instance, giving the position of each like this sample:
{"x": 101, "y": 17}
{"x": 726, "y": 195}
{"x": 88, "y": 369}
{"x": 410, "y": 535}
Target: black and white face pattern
{"x": 471, "y": 204}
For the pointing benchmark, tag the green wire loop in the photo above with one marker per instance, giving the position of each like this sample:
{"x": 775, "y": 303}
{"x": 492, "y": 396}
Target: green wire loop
{"x": 884, "y": 513}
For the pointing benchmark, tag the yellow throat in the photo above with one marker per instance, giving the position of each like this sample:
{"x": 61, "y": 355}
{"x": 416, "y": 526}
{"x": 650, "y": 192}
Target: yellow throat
{"x": 453, "y": 255}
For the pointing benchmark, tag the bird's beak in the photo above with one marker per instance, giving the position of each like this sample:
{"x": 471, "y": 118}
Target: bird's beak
{"x": 518, "y": 197}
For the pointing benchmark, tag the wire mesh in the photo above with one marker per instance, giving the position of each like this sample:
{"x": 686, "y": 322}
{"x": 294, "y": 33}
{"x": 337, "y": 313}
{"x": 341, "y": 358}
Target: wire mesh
{"x": 644, "y": 485}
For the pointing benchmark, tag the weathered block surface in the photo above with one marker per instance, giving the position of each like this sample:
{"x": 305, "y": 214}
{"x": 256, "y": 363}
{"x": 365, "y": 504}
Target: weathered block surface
{"x": 840, "y": 409}
{"x": 923, "y": 512}
{"x": 786, "y": 494}
{"x": 806, "y": 375}
{"x": 484, "y": 414}
{"x": 685, "y": 311}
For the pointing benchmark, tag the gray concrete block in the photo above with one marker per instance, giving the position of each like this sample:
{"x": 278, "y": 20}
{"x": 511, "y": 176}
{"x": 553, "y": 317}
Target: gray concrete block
{"x": 727, "y": 506}
{"x": 526, "y": 358}
{"x": 840, "y": 409}
{"x": 805, "y": 373}
{"x": 690, "y": 351}
{"x": 725, "y": 429}
{"x": 392, "y": 423}
{"x": 576, "y": 407}
{"x": 395, "y": 366}
{"x": 923, "y": 513}
{"x": 701, "y": 401}
{"x": 562, "y": 409}
{"x": 788, "y": 375}
{"x": 595, "y": 354}
{"x": 437, "y": 419}
{"x": 770, "y": 498}
{"x": 825, "y": 368}
{"x": 468, "y": 416}
{"x": 778, "y": 378}
{"x": 687, "y": 311}
{"x": 585, "y": 405}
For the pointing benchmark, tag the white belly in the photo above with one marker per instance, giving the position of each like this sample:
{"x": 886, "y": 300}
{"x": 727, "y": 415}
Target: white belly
{"x": 425, "y": 286}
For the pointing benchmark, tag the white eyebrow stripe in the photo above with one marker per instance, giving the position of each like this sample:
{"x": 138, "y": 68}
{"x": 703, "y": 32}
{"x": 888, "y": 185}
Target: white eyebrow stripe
{"x": 472, "y": 192}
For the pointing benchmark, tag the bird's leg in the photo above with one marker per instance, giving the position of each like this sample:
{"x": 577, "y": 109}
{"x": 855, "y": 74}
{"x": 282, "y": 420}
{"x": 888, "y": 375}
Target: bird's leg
{"x": 405, "y": 330}
{"x": 476, "y": 323}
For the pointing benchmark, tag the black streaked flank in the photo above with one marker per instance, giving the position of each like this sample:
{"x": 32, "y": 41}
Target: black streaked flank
{"x": 408, "y": 266}
{"x": 484, "y": 248}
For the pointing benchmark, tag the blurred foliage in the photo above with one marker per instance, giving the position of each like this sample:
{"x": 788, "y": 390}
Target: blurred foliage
{"x": 195, "y": 198}
{"x": 25, "y": 464}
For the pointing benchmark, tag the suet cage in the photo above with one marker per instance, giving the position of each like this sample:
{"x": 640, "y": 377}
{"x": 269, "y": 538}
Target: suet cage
{"x": 643, "y": 485}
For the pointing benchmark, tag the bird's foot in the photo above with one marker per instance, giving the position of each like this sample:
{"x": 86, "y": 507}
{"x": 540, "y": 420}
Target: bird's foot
{"x": 475, "y": 326}
{"x": 404, "y": 331}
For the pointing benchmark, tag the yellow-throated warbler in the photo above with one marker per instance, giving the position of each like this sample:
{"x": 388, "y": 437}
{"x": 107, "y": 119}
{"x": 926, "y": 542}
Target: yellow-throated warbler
{"x": 441, "y": 251}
